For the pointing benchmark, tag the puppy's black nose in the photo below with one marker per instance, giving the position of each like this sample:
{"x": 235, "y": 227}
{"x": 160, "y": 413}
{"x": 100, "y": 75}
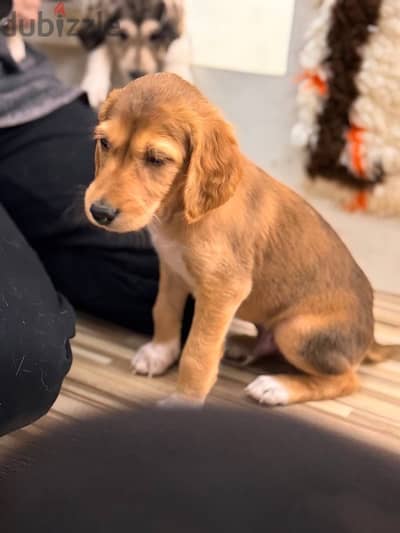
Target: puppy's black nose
{"x": 103, "y": 213}
{"x": 134, "y": 74}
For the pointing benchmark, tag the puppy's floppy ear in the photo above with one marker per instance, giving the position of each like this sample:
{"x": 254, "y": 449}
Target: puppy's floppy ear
{"x": 215, "y": 168}
{"x": 97, "y": 159}
{"x": 104, "y": 114}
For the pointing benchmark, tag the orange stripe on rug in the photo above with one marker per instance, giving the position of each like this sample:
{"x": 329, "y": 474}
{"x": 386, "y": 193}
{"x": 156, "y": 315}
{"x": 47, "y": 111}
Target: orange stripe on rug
{"x": 355, "y": 138}
{"x": 359, "y": 202}
{"x": 314, "y": 81}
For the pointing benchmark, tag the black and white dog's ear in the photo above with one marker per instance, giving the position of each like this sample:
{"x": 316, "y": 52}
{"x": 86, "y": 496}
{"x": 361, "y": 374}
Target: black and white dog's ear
{"x": 98, "y": 20}
{"x": 172, "y": 18}
{"x": 160, "y": 10}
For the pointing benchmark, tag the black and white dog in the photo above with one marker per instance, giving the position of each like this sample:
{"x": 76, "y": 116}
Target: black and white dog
{"x": 132, "y": 38}
{"x": 14, "y": 41}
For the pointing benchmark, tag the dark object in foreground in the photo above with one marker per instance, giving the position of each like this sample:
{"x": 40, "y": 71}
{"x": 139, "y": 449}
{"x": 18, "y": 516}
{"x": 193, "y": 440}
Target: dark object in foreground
{"x": 184, "y": 471}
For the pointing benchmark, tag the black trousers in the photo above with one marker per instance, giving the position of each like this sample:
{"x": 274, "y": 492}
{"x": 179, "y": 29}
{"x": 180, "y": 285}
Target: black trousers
{"x": 48, "y": 248}
{"x": 193, "y": 472}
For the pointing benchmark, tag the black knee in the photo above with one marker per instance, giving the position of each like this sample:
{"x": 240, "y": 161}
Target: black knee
{"x": 32, "y": 369}
{"x": 34, "y": 387}
{"x": 36, "y": 324}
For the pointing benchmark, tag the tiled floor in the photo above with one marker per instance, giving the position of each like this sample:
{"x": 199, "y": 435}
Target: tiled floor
{"x": 101, "y": 380}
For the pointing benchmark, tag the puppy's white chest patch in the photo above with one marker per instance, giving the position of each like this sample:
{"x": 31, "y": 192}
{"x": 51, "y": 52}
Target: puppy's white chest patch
{"x": 171, "y": 253}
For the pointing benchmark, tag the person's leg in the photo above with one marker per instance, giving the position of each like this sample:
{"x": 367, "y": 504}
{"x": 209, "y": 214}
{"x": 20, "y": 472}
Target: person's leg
{"x": 45, "y": 167}
{"x": 211, "y": 471}
{"x": 36, "y": 324}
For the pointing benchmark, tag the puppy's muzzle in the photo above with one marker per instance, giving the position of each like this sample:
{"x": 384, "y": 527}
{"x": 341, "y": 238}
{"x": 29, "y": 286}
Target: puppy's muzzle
{"x": 135, "y": 74}
{"x": 103, "y": 213}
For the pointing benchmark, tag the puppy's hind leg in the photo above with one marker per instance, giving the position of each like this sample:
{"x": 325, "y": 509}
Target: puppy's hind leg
{"x": 245, "y": 349}
{"x": 328, "y": 370}
{"x": 282, "y": 389}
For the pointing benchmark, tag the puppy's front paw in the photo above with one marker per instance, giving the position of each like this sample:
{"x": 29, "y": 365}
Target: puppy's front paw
{"x": 268, "y": 390}
{"x": 179, "y": 401}
{"x": 154, "y": 358}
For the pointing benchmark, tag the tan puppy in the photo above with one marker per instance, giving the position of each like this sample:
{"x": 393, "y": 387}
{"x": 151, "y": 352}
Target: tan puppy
{"x": 242, "y": 243}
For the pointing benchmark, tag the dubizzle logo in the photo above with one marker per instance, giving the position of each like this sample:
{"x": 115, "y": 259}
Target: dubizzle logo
{"x": 59, "y": 10}
{"x": 60, "y": 25}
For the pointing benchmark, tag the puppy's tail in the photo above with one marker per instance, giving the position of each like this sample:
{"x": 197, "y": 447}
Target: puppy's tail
{"x": 379, "y": 352}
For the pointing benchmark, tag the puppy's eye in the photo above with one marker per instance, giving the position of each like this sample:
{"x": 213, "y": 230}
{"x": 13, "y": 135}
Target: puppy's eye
{"x": 123, "y": 35}
{"x": 154, "y": 161}
{"x": 155, "y": 37}
{"x": 105, "y": 143}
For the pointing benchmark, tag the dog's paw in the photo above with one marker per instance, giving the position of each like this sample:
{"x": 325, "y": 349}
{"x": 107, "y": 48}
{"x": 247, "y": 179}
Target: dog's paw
{"x": 154, "y": 358}
{"x": 235, "y": 351}
{"x": 238, "y": 354}
{"x": 268, "y": 390}
{"x": 179, "y": 401}
{"x": 96, "y": 87}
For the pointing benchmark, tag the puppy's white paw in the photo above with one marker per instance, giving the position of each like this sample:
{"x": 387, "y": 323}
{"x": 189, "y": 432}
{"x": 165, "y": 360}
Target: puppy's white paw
{"x": 179, "y": 401}
{"x": 96, "y": 86}
{"x": 154, "y": 358}
{"x": 268, "y": 390}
